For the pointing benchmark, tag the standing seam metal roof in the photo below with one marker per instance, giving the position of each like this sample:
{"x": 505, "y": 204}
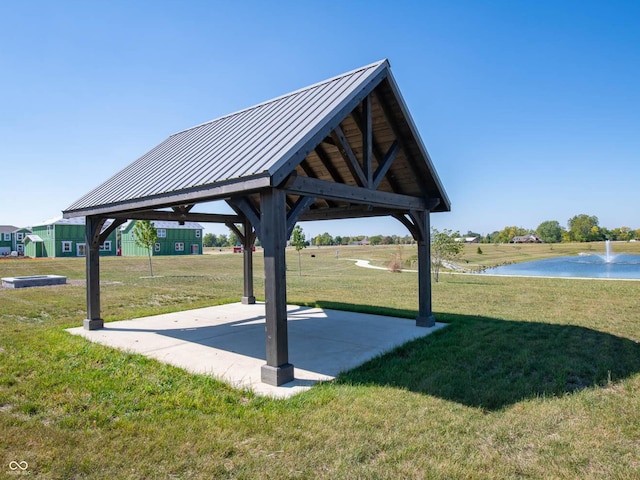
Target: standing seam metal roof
{"x": 247, "y": 143}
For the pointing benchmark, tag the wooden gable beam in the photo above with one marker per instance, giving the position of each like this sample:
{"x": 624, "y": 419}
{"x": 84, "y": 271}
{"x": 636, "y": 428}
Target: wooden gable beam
{"x": 336, "y": 191}
{"x": 176, "y": 217}
{"x": 351, "y": 211}
{"x": 377, "y": 154}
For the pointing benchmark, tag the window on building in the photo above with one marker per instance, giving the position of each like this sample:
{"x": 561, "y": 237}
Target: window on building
{"x": 7, "y": 237}
{"x": 66, "y": 246}
{"x": 106, "y": 246}
{"x": 81, "y": 250}
{"x": 197, "y": 233}
{"x": 48, "y": 230}
{"x": 179, "y": 246}
{"x": 20, "y": 236}
{"x": 162, "y": 233}
{"x": 156, "y": 247}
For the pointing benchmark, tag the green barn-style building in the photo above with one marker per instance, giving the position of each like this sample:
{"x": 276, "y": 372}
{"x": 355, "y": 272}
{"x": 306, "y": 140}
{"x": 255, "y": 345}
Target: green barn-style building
{"x": 64, "y": 237}
{"x": 173, "y": 239}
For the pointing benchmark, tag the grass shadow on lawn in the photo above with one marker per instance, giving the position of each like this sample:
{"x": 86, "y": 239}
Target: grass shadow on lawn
{"x": 492, "y": 363}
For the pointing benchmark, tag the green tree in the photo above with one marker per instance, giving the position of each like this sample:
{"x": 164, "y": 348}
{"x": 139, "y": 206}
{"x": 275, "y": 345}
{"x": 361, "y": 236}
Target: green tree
{"x": 444, "y": 249}
{"x": 323, "y": 239}
{"x": 550, "y": 231}
{"x": 209, "y": 240}
{"x": 375, "y": 239}
{"x": 507, "y": 233}
{"x": 584, "y": 228}
{"x": 491, "y": 237}
{"x": 233, "y": 241}
{"x": 299, "y": 241}
{"x": 623, "y": 233}
{"x": 145, "y": 236}
{"x": 222, "y": 240}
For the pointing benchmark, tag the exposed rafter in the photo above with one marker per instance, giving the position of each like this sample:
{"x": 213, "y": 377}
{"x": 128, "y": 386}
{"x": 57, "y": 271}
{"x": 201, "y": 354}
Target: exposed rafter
{"x": 350, "y": 158}
{"x": 396, "y": 132}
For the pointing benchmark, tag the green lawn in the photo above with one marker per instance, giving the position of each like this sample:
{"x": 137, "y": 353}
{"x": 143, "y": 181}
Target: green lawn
{"x": 533, "y": 378}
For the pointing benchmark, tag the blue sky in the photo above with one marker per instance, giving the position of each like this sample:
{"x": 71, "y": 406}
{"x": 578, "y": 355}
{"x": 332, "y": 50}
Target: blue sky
{"x": 530, "y": 110}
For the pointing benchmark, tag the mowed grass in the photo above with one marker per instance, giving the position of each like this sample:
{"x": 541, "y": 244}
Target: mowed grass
{"x": 533, "y": 378}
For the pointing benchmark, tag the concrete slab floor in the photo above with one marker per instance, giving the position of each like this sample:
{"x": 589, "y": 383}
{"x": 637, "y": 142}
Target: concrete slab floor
{"x": 228, "y": 342}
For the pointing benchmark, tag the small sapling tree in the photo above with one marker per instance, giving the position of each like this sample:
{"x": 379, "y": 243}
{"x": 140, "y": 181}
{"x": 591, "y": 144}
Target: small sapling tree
{"x": 444, "y": 248}
{"x": 145, "y": 236}
{"x": 299, "y": 241}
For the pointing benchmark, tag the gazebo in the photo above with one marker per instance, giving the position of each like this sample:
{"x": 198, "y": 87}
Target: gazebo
{"x": 342, "y": 148}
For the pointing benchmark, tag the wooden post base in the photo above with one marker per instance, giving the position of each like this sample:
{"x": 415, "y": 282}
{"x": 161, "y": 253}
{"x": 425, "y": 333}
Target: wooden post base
{"x": 276, "y": 376}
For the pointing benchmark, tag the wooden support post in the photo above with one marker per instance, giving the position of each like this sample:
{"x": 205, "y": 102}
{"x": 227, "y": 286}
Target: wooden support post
{"x": 92, "y": 252}
{"x": 247, "y": 243}
{"x": 425, "y": 314}
{"x": 273, "y": 223}
{"x": 367, "y": 141}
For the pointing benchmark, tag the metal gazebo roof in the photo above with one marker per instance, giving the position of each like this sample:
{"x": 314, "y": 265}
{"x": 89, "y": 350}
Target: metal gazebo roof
{"x": 314, "y": 132}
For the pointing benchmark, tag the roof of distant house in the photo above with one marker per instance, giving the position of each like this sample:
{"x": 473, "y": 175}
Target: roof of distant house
{"x": 8, "y": 228}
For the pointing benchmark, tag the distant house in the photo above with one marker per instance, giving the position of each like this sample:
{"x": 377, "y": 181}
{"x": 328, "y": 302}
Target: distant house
{"x": 11, "y": 239}
{"x": 467, "y": 239}
{"x": 6, "y": 235}
{"x": 173, "y": 239}
{"x": 525, "y": 239}
{"x": 63, "y": 237}
{"x": 17, "y": 239}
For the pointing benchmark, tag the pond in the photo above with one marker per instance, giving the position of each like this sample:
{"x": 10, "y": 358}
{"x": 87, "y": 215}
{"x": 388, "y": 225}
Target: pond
{"x": 585, "y": 266}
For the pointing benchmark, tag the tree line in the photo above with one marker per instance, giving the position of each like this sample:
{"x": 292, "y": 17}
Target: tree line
{"x": 323, "y": 239}
{"x": 580, "y": 228}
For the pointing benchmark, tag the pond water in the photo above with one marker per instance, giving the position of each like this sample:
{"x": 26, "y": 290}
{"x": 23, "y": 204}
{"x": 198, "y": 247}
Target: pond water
{"x": 586, "y": 266}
